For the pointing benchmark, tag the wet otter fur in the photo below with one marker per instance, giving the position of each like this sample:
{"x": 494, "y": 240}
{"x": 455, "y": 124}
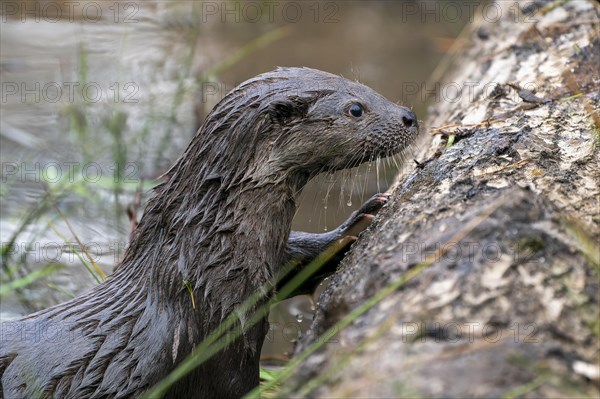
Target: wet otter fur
{"x": 221, "y": 222}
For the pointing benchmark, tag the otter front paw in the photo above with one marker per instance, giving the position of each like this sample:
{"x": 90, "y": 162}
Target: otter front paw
{"x": 360, "y": 219}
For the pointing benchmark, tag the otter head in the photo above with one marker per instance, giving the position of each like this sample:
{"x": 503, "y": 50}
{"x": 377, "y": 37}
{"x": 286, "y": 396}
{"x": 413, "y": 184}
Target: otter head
{"x": 330, "y": 123}
{"x": 293, "y": 123}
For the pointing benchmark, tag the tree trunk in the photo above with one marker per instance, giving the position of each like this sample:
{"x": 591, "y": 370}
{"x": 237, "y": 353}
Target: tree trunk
{"x": 481, "y": 276}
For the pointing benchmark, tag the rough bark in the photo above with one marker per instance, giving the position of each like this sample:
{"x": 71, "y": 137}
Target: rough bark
{"x": 500, "y": 230}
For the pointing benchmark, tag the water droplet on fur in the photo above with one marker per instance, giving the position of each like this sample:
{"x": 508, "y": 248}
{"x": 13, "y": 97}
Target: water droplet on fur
{"x": 349, "y": 202}
{"x": 300, "y": 317}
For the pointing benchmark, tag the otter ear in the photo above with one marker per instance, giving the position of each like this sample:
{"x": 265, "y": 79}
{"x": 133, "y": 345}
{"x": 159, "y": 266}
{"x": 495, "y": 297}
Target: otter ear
{"x": 287, "y": 109}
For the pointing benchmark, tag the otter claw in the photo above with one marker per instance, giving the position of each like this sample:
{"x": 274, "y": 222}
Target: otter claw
{"x": 360, "y": 219}
{"x": 374, "y": 204}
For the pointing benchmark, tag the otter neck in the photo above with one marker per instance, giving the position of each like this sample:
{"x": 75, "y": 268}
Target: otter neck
{"x": 223, "y": 215}
{"x": 211, "y": 231}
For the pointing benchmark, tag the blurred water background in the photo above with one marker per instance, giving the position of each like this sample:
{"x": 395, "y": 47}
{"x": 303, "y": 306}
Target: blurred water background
{"x": 99, "y": 98}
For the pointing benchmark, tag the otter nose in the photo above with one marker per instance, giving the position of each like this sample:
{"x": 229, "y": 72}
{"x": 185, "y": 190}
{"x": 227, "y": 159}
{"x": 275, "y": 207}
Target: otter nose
{"x": 408, "y": 118}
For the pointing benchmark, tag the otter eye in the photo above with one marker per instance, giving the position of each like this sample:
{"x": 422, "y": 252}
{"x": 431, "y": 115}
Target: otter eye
{"x": 356, "y": 110}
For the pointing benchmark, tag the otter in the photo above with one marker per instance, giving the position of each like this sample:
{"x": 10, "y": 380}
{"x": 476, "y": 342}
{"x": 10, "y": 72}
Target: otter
{"x": 213, "y": 233}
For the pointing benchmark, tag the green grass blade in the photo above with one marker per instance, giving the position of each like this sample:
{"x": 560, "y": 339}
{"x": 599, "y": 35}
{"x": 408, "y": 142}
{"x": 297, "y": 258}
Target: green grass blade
{"x": 7, "y": 288}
